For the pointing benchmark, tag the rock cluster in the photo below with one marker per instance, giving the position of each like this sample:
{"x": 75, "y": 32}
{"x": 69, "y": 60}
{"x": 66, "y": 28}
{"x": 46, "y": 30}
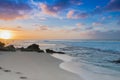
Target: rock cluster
{"x": 6, "y": 48}
{"x": 32, "y": 47}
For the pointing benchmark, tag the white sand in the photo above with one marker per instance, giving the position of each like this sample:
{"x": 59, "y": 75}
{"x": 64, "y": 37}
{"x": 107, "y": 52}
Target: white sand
{"x": 34, "y": 66}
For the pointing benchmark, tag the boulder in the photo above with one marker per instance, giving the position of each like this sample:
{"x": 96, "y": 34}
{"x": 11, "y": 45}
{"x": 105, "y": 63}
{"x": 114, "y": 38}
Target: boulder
{"x": 33, "y": 47}
{"x": 116, "y": 61}
{"x": 52, "y": 51}
{"x": 10, "y": 48}
{"x": 2, "y": 45}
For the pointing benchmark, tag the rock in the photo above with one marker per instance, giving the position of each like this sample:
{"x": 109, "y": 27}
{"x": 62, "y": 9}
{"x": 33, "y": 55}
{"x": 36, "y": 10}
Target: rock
{"x": 33, "y": 47}
{"x": 116, "y": 61}
{"x": 1, "y": 68}
{"x": 10, "y": 48}
{"x": 61, "y": 52}
{"x": 2, "y": 45}
{"x": 18, "y": 73}
{"x": 23, "y": 77}
{"x": 7, "y": 70}
{"x": 52, "y": 51}
{"x": 41, "y": 51}
{"x": 21, "y": 49}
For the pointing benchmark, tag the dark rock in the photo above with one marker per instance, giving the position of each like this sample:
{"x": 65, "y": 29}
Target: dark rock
{"x": 2, "y": 45}
{"x": 116, "y": 61}
{"x": 21, "y": 49}
{"x": 52, "y": 51}
{"x": 23, "y": 77}
{"x": 18, "y": 73}
{"x": 41, "y": 51}
{"x": 7, "y": 70}
{"x": 10, "y": 48}
{"x": 61, "y": 52}
{"x": 1, "y": 68}
{"x": 7, "y": 48}
{"x": 33, "y": 47}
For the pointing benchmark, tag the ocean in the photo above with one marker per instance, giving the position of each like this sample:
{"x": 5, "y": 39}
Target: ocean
{"x": 90, "y": 59}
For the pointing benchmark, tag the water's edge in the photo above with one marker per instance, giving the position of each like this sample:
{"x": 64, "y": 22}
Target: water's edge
{"x": 86, "y": 71}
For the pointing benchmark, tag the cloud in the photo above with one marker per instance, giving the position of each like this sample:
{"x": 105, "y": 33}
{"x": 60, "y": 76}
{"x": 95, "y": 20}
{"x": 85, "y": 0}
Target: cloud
{"x": 77, "y": 15}
{"x": 79, "y": 27}
{"x": 76, "y": 2}
{"x": 47, "y": 10}
{"x": 118, "y": 22}
{"x": 81, "y": 15}
{"x": 42, "y": 28}
{"x": 113, "y": 5}
{"x": 14, "y": 9}
{"x": 105, "y": 35}
{"x": 17, "y": 28}
{"x": 80, "y": 24}
{"x": 70, "y": 14}
{"x": 57, "y": 6}
{"x": 91, "y": 34}
{"x": 97, "y": 24}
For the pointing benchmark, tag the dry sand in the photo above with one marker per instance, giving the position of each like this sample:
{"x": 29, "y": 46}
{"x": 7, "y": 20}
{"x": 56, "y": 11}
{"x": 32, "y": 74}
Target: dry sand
{"x": 32, "y": 66}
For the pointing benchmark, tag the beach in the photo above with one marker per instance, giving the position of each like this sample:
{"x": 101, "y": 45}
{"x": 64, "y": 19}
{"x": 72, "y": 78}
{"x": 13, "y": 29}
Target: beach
{"x": 32, "y": 66}
{"x": 61, "y": 60}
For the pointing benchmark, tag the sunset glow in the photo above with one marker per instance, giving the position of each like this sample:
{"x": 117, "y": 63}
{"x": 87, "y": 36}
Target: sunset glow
{"x": 5, "y": 34}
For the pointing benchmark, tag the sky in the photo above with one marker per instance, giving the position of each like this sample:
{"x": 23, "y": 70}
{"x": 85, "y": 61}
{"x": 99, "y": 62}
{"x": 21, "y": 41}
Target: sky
{"x": 61, "y": 19}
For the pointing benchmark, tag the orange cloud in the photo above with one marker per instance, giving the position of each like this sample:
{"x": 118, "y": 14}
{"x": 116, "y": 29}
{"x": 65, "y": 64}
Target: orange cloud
{"x": 18, "y": 28}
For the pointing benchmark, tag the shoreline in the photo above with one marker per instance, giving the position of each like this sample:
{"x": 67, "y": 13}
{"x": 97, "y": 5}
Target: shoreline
{"x": 32, "y": 66}
{"x": 86, "y": 71}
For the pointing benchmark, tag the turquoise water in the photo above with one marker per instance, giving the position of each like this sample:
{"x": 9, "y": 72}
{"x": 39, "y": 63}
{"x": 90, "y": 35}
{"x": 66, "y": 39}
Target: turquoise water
{"x": 113, "y": 45}
{"x": 99, "y": 53}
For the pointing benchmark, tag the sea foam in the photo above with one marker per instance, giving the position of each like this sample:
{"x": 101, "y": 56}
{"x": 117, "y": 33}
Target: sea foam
{"x": 86, "y": 71}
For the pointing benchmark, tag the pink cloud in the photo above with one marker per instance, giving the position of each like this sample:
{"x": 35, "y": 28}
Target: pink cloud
{"x": 76, "y": 15}
{"x": 70, "y": 14}
{"x": 45, "y": 9}
{"x": 12, "y": 15}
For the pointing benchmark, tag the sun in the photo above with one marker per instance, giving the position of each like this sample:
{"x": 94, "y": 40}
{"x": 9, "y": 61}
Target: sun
{"x": 5, "y": 34}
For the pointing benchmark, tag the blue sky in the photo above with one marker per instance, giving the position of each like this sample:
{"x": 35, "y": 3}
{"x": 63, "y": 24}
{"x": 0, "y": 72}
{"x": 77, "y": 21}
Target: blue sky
{"x": 62, "y": 19}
